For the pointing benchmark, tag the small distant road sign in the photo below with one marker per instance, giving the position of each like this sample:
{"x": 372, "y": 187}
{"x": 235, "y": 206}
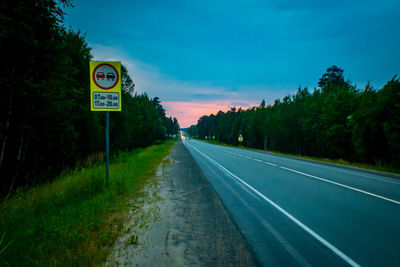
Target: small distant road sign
{"x": 105, "y": 86}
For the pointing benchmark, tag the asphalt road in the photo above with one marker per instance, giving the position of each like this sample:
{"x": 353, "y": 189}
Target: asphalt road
{"x": 296, "y": 212}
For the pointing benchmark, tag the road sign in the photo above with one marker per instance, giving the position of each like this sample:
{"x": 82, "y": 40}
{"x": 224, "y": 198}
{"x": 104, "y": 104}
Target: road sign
{"x": 240, "y": 139}
{"x": 105, "y": 86}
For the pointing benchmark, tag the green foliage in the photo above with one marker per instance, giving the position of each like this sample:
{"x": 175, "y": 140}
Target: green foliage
{"x": 332, "y": 77}
{"x": 70, "y": 221}
{"x": 338, "y": 121}
{"x": 46, "y": 122}
{"x": 376, "y": 125}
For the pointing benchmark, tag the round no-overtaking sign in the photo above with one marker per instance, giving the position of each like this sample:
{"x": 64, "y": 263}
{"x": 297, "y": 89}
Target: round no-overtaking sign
{"x": 105, "y": 86}
{"x": 105, "y": 76}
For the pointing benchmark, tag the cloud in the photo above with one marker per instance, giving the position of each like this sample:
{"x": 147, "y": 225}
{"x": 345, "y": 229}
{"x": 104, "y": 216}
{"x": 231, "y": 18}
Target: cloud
{"x": 188, "y": 101}
{"x": 246, "y": 50}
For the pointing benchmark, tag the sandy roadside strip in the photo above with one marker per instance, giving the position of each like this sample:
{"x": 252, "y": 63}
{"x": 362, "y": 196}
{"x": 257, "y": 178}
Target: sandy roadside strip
{"x": 180, "y": 221}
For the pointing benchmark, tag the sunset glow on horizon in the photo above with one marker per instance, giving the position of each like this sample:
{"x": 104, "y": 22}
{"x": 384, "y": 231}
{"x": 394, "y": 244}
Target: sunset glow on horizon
{"x": 188, "y": 113}
{"x": 214, "y": 55}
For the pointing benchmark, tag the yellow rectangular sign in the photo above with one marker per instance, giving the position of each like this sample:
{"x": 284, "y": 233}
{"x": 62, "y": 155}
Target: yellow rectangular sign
{"x": 105, "y": 86}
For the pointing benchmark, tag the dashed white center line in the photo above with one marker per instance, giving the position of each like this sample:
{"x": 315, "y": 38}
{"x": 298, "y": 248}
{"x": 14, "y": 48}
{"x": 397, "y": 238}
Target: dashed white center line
{"x": 287, "y": 214}
{"x": 342, "y": 185}
{"x": 240, "y": 155}
{"x": 324, "y": 180}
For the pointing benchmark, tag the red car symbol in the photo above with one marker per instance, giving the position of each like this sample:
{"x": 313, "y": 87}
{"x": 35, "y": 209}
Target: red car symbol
{"x": 100, "y": 75}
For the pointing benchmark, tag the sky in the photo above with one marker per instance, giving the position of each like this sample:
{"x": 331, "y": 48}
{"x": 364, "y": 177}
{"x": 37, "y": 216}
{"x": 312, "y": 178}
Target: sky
{"x": 200, "y": 57}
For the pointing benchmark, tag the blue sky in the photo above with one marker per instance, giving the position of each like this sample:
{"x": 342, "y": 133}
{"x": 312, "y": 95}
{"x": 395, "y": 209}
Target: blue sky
{"x": 202, "y": 56}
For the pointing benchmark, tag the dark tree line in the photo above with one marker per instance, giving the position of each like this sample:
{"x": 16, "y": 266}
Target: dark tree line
{"x": 46, "y": 122}
{"x": 337, "y": 120}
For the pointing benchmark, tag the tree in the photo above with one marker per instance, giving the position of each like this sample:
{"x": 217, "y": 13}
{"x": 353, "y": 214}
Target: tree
{"x": 333, "y": 76}
{"x": 47, "y": 125}
{"x": 336, "y": 121}
{"x": 30, "y": 39}
{"x": 127, "y": 84}
{"x": 376, "y": 125}
{"x": 176, "y": 127}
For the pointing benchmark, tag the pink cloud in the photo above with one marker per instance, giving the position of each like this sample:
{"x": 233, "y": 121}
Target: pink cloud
{"x": 188, "y": 113}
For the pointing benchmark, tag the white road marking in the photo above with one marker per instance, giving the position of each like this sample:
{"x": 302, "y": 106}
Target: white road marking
{"x": 357, "y": 173}
{"x": 266, "y": 162}
{"x": 291, "y": 217}
{"x": 326, "y": 180}
{"x": 377, "y": 179}
{"x": 291, "y": 250}
{"x": 342, "y": 185}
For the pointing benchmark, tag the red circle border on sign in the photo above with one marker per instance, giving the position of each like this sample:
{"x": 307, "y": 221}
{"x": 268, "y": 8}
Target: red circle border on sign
{"x": 94, "y": 80}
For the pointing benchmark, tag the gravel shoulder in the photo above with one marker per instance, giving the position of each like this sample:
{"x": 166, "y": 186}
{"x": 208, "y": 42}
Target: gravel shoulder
{"x": 180, "y": 221}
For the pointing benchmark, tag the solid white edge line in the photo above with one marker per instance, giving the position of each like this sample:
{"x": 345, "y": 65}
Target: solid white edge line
{"x": 342, "y": 185}
{"x": 303, "y": 226}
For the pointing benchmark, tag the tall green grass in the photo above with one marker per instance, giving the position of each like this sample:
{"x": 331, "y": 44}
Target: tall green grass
{"x": 70, "y": 222}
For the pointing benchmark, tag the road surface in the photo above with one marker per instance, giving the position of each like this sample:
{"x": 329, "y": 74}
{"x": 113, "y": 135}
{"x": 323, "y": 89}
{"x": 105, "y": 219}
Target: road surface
{"x": 296, "y": 212}
{"x": 179, "y": 221}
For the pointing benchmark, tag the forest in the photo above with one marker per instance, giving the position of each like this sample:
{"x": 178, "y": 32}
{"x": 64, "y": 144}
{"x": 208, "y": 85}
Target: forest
{"x": 336, "y": 120}
{"x": 46, "y": 123}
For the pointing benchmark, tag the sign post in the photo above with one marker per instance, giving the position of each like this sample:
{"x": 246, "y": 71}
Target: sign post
{"x": 240, "y": 139}
{"x": 107, "y": 145}
{"x": 105, "y": 94}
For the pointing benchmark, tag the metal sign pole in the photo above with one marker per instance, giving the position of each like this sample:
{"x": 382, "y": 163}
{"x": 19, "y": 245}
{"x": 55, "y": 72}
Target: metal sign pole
{"x": 107, "y": 145}
{"x": 105, "y": 95}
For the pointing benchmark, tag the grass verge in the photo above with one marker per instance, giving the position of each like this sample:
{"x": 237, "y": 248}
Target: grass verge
{"x": 379, "y": 168}
{"x": 70, "y": 221}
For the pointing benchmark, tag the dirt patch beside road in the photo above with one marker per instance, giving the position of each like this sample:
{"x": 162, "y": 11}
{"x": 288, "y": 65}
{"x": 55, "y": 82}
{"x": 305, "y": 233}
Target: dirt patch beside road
{"x": 180, "y": 221}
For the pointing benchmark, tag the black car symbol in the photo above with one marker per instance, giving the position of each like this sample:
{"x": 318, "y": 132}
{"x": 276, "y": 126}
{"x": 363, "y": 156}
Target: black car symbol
{"x": 111, "y": 76}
